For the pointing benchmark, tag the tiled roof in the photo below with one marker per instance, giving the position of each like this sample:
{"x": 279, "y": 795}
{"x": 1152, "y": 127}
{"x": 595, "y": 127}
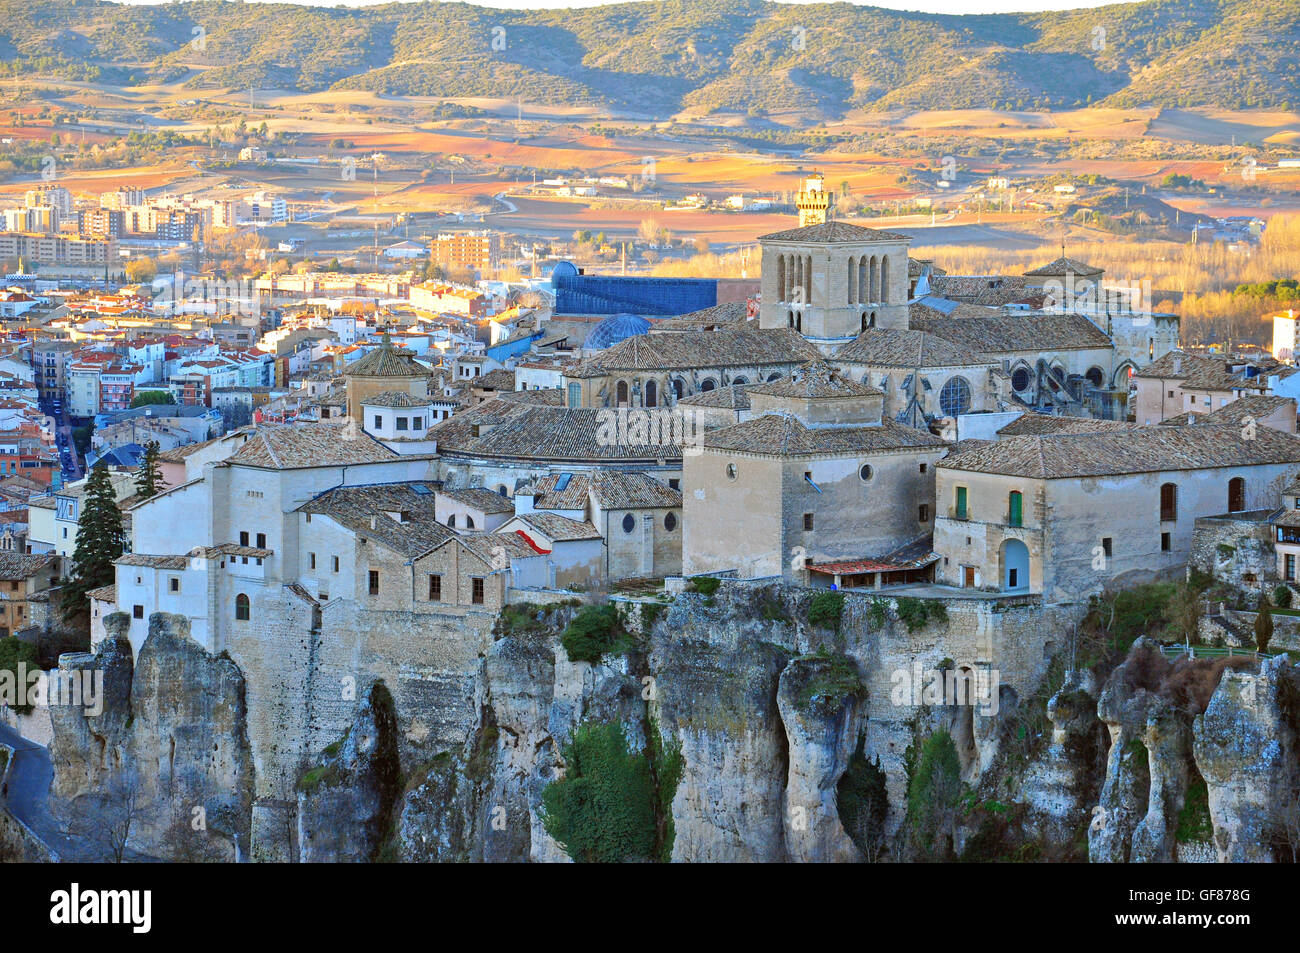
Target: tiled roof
{"x": 833, "y": 232}
{"x": 295, "y": 446}
{"x": 104, "y": 594}
{"x": 491, "y": 546}
{"x": 525, "y": 431}
{"x": 1217, "y": 377}
{"x": 178, "y": 454}
{"x": 1254, "y": 406}
{"x": 1063, "y": 266}
{"x": 16, "y": 566}
{"x": 395, "y": 398}
{"x": 366, "y": 511}
{"x": 729, "y": 312}
{"x": 991, "y": 290}
{"x": 153, "y": 562}
{"x": 732, "y": 397}
{"x": 1034, "y": 424}
{"x": 895, "y": 347}
{"x": 724, "y": 347}
{"x": 499, "y": 379}
{"x": 546, "y": 396}
{"x": 559, "y": 528}
{"x": 1163, "y": 367}
{"x": 480, "y": 499}
{"x": 998, "y": 333}
{"x": 786, "y": 435}
{"x": 816, "y": 379}
{"x": 387, "y": 361}
{"x": 547, "y": 494}
{"x": 621, "y": 490}
{"x": 1134, "y": 450}
{"x": 230, "y": 549}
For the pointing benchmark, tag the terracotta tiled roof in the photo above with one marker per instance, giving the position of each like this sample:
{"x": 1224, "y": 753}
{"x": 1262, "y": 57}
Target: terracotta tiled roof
{"x": 724, "y": 347}
{"x": 1063, "y": 266}
{"x": 366, "y": 510}
{"x": 1034, "y": 424}
{"x": 297, "y": 446}
{"x": 153, "y": 562}
{"x": 895, "y": 347}
{"x": 480, "y": 499}
{"x": 816, "y": 379}
{"x": 997, "y": 333}
{"x": 394, "y": 398}
{"x": 622, "y": 490}
{"x": 104, "y": 594}
{"x": 1135, "y": 450}
{"x": 833, "y": 232}
{"x": 387, "y": 361}
{"x": 559, "y": 528}
{"x": 1255, "y": 406}
{"x": 500, "y": 379}
{"x": 786, "y": 435}
{"x": 730, "y": 312}
{"x": 726, "y": 398}
{"x": 17, "y": 566}
{"x": 1163, "y": 367}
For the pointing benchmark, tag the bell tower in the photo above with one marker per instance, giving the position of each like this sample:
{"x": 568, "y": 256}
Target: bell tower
{"x": 813, "y": 202}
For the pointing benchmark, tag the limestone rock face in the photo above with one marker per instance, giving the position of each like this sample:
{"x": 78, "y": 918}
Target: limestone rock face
{"x": 1062, "y": 787}
{"x": 85, "y": 746}
{"x": 821, "y": 735}
{"x": 1247, "y": 751}
{"x": 344, "y": 808}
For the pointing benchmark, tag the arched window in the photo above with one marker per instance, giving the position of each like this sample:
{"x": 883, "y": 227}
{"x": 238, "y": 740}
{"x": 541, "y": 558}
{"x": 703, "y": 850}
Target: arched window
{"x": 1168, "y": 501}
{"x": 503, "y": 491}
{"x": 670, "y": 522}
{"x": 708, "y": 384}
{"x": 774, "y": 376}
{"x": 451, "y": 520}
{"x": 1236, "y": 495}
{"x": 1015, "y": 509}
{"x": 651, "y": 394}
{"x": 884, "y": 279}
{"x": 1096, "y": 376}
{"x": 621, "y": 394}
{"x": 469, "y": 522}
{"x": 629, "y": 523}
{"x": 853, "y": 280}
{"x": 241, "y": 608}
{"x": 954, "y": 398}
{"x": 679, "y": 388}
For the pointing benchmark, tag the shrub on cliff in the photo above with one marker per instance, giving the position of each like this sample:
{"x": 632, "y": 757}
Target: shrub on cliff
{"x": 934, "y": 798}
{"x": 15, "y": 653}
{"x": 604, "y": 808}
{"x": 825, "y": 609}
{"x": 1282, "y": 597}
{"x": 594, "y": 631}
{"x": 863, "y": 803}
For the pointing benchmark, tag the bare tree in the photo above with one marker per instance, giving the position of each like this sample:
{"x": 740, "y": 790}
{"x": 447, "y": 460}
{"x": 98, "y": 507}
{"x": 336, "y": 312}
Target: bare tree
{"x": 105, "y": 822}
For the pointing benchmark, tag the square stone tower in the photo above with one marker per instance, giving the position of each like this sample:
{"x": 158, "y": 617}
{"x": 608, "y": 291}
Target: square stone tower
{"x": 831, "y": 281}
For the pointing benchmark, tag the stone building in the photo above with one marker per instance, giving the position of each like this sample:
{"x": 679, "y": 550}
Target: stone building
{"x": 1064, "y": 514}
{"x": 815, "y": 476}
{"x": 25, "y": 584}
{"x": 383, "y": 370}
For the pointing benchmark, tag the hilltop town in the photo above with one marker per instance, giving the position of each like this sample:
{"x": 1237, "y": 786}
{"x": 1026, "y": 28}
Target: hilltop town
{"x": 362, "y": 580}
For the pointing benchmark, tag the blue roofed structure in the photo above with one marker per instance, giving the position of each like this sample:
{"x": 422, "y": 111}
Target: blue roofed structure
{"x": 618, "y": 327}
{"x": 576, "y": 293}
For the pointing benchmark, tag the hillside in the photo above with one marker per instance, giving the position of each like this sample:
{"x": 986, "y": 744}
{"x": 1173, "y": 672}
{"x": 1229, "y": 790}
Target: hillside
{"x": 798, "y": 64}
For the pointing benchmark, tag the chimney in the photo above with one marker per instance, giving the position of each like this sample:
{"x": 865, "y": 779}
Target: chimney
{"x": 1178, "y": 364}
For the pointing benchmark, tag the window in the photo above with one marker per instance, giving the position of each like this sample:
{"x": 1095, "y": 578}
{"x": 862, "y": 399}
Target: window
{"x": 865, "y": 472}
{"x": 174, "y": 584}
{"x": 241, "y": 608}
{"x": 670, "y": 522}
{"x": 137, "y": 612}
{"x": 476, "y": 591}
{"x": 311, "y": 560}
{"x": 435, "y": 587}
{"x": 469, "y": 521}
{"x": 243, "y": 539}
{"x": 1020, "y": 379}
{"x": 575, "y": 395}
{"x": 374, "y": 582}
{"x": 954, "y": 397}
{"x": 261, "y": 541}
{"x": 676, "y": 484}
{"x": 1165, "y": 544}
{"x": 807, "y": 522}
{"x": 1015, "y": 509}
{"x": 923, "y": 466}
{"x": 417, "y": 423}
{"x": 731, "y": 475}
{"x": 336, "y": 564}
{"x": 403, "y": 423}
{"x": 1168, "y": 501}
{"x": 923, "y": 513}
{"x": 1105, "y": 546}
{"x": 1236, "y": 495}
{"x": 629, "y": 523}
{"x": 451, "y": 520}
{"x": 379, "y": 422}
{"x": 961, "y": 503}
{"x": 1290, "y": 568}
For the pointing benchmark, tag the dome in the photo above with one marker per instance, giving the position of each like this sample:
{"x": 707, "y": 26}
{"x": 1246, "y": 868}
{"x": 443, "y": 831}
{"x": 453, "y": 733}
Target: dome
{"x": 615, "y": 328}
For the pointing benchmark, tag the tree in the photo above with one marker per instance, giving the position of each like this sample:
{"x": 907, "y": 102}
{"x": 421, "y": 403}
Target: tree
{"x": 1185, "y": 613}
{"x": 148, "y": 477}
{"x": 934, "y": 796}
{"x": 1263, "y": 624}
{"x": 100, "y": 541}
{"x": 147, "y": 397}
{"x": 141, "y": 270}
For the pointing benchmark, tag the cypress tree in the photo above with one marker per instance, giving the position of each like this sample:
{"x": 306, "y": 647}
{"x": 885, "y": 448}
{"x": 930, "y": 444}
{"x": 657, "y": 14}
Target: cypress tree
{"x": 100, "y": 540}
{"x": 148, "y": 476}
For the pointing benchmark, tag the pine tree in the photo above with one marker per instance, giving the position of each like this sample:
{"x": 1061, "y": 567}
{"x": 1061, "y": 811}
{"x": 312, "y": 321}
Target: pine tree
{"x": 100, "y": 541}
{"x": 148, "y": 476}
{"x": 1263, "y": 624}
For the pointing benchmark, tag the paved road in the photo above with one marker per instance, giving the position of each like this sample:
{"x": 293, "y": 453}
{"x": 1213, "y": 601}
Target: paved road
{"x": 27, "y": 797}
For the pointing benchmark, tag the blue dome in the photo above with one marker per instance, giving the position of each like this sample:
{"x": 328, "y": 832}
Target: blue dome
{"x": 615, "y": 328}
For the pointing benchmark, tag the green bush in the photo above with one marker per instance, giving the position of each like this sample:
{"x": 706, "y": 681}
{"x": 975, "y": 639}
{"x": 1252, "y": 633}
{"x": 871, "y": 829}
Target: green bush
{"x": 594, "y": 631}
{"x": 863, "y": 802}
{"x": 604, "y": 808}
{"x": 916, "y": 614}
{"x": 705, "y": 585}
{"x": 1282, "y": 597}
{"x": 825, "y": 609}
{"x": 834, "y": 679}
{"x": 934, "y": 797}
{"x": 13, "y": 653}
{"x": 1194, "y": 824}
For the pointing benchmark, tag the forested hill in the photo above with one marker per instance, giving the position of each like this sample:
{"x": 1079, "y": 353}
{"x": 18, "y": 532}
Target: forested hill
{"x": 659, "y": 58}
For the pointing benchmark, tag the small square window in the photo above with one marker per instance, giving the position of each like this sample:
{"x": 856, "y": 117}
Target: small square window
{"x": 374, "y": 582}
{"x": 403, "y": 423}
{"x": 261, "y": 541}
{"x": 1165, "y": 544}
{"x": 175, "y": 584}
{"x": 243, "y": 539}
{"x": 807, "y": 522}
{"x": 1105, "y": 546}
{"x": 923, "y": 513}
{"x": 137, "y": 612}
{"x": 923, "y": 467}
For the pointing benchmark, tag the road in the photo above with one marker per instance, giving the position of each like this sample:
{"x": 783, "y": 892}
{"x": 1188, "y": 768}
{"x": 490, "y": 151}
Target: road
{"x": 28, "y": 790}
